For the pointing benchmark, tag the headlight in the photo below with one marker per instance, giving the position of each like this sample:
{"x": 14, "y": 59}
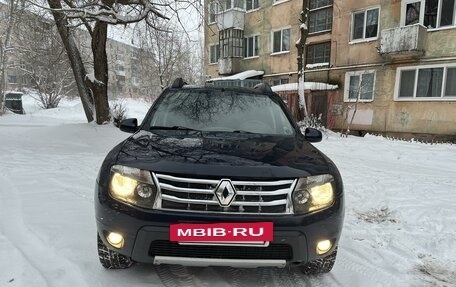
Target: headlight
{"x": 313, "y": 193}
{"x": 132, "y": 185}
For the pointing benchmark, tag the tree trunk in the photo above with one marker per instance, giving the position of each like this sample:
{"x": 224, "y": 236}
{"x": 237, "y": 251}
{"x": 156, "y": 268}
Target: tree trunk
{"x": 100, "y": 63}
{"x": 301, "y": 47}
{"x": 74, "y": 56}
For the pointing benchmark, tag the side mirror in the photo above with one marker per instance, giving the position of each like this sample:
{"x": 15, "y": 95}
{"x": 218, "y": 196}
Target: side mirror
{"x": 312, "y": 135}
{"x": 129, "y": 125}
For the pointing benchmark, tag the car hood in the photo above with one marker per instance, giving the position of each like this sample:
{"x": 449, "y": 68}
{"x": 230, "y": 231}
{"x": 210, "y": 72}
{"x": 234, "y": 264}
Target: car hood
{"x": 222, "y": 155}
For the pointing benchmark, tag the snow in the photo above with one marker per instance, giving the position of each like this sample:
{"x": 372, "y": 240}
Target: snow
{"x": 317, "y": 65}
{"x": 307, "y": 86}
{"x": 240, "y": 76}
{"x": 399, "y": 230}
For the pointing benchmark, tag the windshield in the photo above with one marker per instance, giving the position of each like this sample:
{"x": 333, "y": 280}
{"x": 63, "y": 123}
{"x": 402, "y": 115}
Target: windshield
{"x": 222, "y": 111}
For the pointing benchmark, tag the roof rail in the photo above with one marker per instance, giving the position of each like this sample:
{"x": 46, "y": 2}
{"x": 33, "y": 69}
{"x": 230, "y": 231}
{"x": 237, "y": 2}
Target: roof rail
{"x": 264, "y": 88}
{"x": 178, "y": 83}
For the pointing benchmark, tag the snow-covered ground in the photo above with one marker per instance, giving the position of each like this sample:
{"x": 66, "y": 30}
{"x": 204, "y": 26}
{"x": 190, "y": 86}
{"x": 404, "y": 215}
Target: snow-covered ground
{"x": 400, "y": 223}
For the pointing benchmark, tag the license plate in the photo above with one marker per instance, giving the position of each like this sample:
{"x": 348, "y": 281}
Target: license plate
{"x": 252, "y": 233}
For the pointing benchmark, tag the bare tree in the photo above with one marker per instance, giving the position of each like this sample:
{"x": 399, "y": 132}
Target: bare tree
{"x": 43, "y": 59}
{"x": 96, "y": 16}
{"x": 301, "y": 46}
{"x": 171, "y": 54}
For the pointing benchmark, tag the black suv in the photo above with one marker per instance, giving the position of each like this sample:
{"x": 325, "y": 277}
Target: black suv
{"x": 219, "y": 177}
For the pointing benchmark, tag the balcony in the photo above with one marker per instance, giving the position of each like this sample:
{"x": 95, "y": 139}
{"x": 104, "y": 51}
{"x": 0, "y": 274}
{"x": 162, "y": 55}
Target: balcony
{"x": 231, "y": 18}
{"x": 403, "y": 42}
{"x": 229, "y": 66}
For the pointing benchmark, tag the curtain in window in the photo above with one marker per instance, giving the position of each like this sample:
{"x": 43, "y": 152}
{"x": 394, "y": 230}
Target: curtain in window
{"x": 447, "y": 13}
{"x": 358, "y": 26}
{"x": 430, "y": 13}
{"x": 372, "y": 23}
{"x": 407, "y": 84}
{"x": 430, "y": 82}
{"x": 354, "y": 87}
{"x": 277, "y": 41}
{"x": 286, "y": 40}
{"x": 367, "y": 87}
{"x": 412, "y": 13}
{"x": 450, "y": 90}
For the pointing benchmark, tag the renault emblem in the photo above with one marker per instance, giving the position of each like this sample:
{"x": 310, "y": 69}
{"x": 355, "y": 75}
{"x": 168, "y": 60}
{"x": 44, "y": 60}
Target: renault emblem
{"x": 225, "y": 192}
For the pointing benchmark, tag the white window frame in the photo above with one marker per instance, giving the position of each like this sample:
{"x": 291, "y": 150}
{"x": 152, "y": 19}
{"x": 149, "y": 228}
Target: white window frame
{"x": 222, "y": 9}
{"x": 404, "y": 4}
{"x": 277, "y": 2}
{"x": 352, "y": 23}
{"x": 210, "y": 54}
{"x": 326, "y": 7}
{"x": 254, "y": 44}
{"x": 422, "y": 99}
{"x": 348, "y": 75}
{"x": 253, "y": 6}
{"x": 281, "y": 43}
{"x": 422, "y": 8}
{"x": 216, "y": 10}
{"x": 319, "y": 63}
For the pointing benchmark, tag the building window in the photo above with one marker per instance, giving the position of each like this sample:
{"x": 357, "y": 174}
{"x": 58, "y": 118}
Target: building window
{"x": 230, "y": 4}
{"x": 214, "y": 53}
{"x": 365, "y": 24}
{"x": 430, "y": 13}
{"x": 281, "y": 41}
{"x": 320, "y": 15}
{"x": 318, "y": 54}
{"x": 231, "y": 41}
{"x": 213, "y": 10}
{"x": 426, "y": 83}
{"x": 359, "y": 86}
{"x": 252, "y": 46}
{"x": 252, "y": 5}
{"x": 282, "y": 81}
{"x": 12, "y": 79}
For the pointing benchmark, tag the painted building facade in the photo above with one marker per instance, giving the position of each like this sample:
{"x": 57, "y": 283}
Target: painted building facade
{"x": 394, "y": 61}
{"x": 252, "y": 35}
{"x": 395, "y": 64}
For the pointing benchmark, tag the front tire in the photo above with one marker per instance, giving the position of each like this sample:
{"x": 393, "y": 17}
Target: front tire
{"x": 318, "y": 266}
{"x": 111, "y": 259}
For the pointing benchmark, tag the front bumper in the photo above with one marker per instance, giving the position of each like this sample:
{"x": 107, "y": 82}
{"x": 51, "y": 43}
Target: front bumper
{"x": 146, "y": 235}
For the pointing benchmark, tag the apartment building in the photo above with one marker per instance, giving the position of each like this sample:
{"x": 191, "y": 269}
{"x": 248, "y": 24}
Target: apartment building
{"x": 395, "y": 64}
{"x": 256, "y": 35}
{"x": 393, "y": 61}
{"x": 126, "y": 62}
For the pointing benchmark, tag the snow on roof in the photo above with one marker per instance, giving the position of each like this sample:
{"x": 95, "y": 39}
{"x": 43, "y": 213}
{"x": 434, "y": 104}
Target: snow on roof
{"x": 307, "y": 86}
{"x": 240, "y": 76}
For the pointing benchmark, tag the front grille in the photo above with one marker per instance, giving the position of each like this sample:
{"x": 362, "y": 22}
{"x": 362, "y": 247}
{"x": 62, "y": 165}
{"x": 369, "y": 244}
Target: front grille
{"x": 273, "y": 251}
{"x": 197, "y": 195}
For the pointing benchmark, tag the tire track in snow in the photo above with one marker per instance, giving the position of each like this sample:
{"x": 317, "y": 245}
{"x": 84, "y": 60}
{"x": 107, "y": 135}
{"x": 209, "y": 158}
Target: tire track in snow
{"x": 55, "y": 270}
{"x": 175, "y": 276}
{"x": 272, "y": 277}
{"x": 348, "y": 262}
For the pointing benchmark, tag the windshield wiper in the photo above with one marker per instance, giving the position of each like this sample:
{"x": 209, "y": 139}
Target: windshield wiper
{"x": 242, "y": 132}
{"x": 181, "y": 128}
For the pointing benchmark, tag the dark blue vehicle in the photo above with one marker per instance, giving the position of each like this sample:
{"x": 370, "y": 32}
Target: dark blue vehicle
{"x": 219, "y": 177}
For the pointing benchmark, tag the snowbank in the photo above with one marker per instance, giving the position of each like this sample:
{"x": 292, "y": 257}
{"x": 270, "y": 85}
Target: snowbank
{"x": 307, "y": 86}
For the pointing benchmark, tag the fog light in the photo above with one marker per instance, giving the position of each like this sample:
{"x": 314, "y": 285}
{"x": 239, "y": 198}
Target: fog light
{"x": 323, "y": 246}
{"x": 115, "y": 239}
